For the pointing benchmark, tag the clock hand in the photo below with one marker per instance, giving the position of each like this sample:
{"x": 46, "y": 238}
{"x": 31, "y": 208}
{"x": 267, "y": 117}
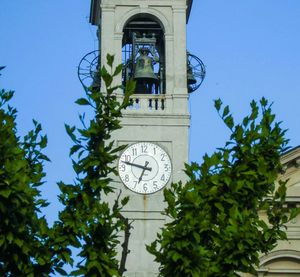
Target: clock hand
{"x": 138, "y": 165}
{"x": 146, "y": 163}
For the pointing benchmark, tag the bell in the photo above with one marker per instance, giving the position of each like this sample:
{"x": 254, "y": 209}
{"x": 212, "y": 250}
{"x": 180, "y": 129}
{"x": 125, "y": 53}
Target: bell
{"x": 96, "y": 84}
{"x": 144, "y": 67}
{"x": 191, "y": 80}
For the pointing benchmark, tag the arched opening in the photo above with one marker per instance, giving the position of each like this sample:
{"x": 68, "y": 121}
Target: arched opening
{"x": 280, "y": 263}
{"x": 143, "y": 54}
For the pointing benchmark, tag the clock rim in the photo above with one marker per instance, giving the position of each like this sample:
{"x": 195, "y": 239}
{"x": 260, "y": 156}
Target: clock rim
{"x": 154, "y": 143}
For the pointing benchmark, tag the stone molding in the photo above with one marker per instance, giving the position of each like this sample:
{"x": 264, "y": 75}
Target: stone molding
{"x": 138, "y": 10}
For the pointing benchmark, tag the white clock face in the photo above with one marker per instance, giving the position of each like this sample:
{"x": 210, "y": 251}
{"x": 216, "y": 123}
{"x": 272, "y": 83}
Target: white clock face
{"x": 144, "y": 167}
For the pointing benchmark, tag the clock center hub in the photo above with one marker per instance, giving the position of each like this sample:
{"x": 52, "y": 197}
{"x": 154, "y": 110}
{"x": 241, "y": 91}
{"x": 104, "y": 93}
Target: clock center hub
{"x": 150, "y": 170}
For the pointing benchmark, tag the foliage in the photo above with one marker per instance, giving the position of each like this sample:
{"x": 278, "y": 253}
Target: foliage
{"x": 23, "y": 233}
{"x": 88, "y": 222}
{"x": 28, "y": 247}
{"x": 215, "y": 227}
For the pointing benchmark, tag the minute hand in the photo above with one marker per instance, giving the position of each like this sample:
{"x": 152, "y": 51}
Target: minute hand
{"x": 138, "y": 165}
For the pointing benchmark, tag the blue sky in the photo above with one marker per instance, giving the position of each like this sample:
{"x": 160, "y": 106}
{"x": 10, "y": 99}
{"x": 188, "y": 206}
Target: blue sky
{"x": 251, "y": 48}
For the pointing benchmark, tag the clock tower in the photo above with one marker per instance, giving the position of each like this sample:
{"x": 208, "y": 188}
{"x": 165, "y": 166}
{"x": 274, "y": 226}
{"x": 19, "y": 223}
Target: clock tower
{"x": 149, "y": 38}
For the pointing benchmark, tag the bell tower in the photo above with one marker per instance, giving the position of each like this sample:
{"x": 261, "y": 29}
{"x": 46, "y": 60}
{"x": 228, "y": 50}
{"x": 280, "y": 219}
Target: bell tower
{"x": 149, "y": 38}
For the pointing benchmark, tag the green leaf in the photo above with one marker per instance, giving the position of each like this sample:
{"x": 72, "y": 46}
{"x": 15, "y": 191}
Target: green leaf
{"x": 110, "y": 59}
{"x": 70, "y": 132}
{"x": 219, "y": 206}
{"x": 294, "y": 213}
{"x": 10, "y": 237}
{"x": 225, "y": 111}
{"x": 175, "y": 257}
{"x": 74, "y": 149}
{"x": 118, "y": 70}
{"x": 5, "y": 192}
{"x": 61, "y": 271}
{"x": 218, "y": 104}
{"x": 229, "y": 122}
{"x": 78, "y": 272}
{"x": 125, "y": 200}
{"x": 82, "y": 102}
{"x": 43, "y": 142}
{"x": 264, "y": 102}
{"x": 246, "y": 121}
{"x": 106, "y": 77}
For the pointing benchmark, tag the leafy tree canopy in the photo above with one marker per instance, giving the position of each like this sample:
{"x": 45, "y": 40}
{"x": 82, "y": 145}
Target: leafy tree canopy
{"x": 88, "y": 223}
{"x": 23, "y": 232}
{"x": 215, "y": 227}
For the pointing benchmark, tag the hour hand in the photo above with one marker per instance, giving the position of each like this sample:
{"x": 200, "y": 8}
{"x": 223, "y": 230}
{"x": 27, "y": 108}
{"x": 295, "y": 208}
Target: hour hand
{"x": 138, "y": 165}
{"x": 143, "y": 172}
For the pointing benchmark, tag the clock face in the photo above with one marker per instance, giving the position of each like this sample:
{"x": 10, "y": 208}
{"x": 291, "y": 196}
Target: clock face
{"x": 144, "y": 167}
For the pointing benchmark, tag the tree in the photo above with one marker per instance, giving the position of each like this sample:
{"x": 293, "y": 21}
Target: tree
{"x": 215, "y": 226}
{"x": 88, "y": 223}
{"x": 28, "y": 246}
{"x": 23, "y": 232}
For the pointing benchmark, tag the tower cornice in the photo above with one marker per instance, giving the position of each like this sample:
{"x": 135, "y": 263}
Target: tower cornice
{"x": 95, "y": 10}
